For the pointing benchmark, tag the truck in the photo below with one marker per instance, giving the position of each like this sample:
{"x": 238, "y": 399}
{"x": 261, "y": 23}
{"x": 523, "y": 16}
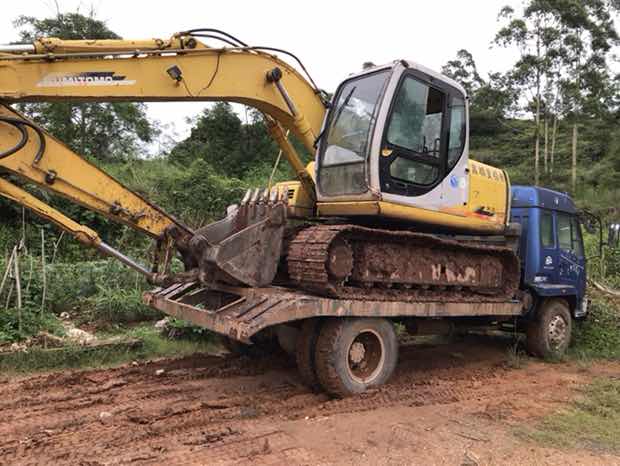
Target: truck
{"x": 392, "y": 222}
{"x": 345, "y": 346}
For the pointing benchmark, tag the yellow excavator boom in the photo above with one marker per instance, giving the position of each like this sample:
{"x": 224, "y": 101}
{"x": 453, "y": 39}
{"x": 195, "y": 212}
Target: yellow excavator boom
{"x": 178, "y": 69}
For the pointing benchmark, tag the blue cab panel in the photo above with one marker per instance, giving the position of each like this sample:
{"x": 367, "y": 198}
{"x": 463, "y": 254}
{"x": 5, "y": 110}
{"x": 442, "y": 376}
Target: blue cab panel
{"x": 551, "y": 247}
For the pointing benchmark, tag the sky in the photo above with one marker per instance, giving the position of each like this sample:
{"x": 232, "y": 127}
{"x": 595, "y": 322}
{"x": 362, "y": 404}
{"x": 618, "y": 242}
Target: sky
{"x": 332, "y": 38}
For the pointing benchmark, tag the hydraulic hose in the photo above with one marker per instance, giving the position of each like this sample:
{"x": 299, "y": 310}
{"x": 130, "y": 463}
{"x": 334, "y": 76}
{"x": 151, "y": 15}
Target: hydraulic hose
{"x": 21, "y": 127}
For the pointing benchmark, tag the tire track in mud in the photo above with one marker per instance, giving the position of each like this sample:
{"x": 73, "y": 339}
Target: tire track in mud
{"x": 204, "y": 405}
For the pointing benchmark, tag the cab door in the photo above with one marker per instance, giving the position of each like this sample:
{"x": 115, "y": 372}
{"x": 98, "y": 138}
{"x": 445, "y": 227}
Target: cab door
{"x": 571, "y": 258}
{"x": 424, "y": 137}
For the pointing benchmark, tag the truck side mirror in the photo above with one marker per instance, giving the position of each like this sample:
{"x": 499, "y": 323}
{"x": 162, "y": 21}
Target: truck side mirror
{"x": 613, "y": 235}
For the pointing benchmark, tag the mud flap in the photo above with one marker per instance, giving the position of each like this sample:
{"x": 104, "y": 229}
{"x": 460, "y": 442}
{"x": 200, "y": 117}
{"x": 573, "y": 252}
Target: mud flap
{"x": 245, "y": 247}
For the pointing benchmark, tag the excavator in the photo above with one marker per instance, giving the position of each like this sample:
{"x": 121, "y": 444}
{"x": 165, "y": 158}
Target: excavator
{"x": 392, "y": 211}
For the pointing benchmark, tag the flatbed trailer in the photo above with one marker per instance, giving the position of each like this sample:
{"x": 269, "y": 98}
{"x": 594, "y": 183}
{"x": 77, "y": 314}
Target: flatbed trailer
{"x": 248, "y": 311}
{"x": 342, "y": 346}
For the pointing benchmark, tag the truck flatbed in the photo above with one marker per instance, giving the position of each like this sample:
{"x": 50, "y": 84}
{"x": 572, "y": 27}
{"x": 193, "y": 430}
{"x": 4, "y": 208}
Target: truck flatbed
{"x": 247, "y": 311}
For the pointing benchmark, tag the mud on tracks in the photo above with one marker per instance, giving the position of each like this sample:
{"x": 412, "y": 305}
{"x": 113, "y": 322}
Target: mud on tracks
{"x": 210, "y": 409}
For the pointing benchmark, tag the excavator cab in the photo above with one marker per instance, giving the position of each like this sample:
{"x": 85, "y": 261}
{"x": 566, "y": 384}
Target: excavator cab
{"x": 395, "y": 144}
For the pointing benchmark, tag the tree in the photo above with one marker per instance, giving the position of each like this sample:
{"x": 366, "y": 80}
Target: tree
{"x": 464, "y": 70}
{"x": 104, "y": 131}
{"x": 490, "y": 99}
{"x": 536, "y": 35}
{"x": 220, "y": 138}
{"x": 587, "y": 87}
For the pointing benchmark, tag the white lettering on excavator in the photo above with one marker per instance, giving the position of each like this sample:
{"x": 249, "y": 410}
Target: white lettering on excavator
{"x": 64, "y": 80}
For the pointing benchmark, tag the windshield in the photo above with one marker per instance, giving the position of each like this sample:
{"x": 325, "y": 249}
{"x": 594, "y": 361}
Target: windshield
{"x": 353, "y": 116}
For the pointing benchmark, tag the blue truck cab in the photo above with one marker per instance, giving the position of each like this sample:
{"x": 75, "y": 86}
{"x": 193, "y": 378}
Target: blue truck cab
{"x": 553, "y": 263}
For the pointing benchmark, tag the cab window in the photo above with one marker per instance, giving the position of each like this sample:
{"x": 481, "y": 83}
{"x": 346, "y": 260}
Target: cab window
{"x": 546, "y": 230}
{"x": 576, "y": 237}
{"x": 564, "y": 232}
{"x": 456, "y": 141}
{"x": 416, "y": 119}
{"x": 414, "y": 129}
{"x": 569, "y": 234}
{"x": 404, "y": 169}
{"x": 348, "y": 134}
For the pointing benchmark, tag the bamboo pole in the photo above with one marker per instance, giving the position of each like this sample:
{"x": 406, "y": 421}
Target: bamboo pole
{"x": 43, "y": 270}
{"x": 56, "y": 245}
{"x": 8, "y": 269}
{"x": 18, "y": 288}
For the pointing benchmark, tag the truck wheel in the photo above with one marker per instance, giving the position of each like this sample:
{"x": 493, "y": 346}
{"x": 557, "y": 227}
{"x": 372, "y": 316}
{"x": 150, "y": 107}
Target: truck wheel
{"x": 549, "y": 334}
{"x": 353, "y": 354}
{"x": 306, "y": 349}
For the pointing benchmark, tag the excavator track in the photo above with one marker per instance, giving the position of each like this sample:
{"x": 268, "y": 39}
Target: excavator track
{"x": 355, "y": 262}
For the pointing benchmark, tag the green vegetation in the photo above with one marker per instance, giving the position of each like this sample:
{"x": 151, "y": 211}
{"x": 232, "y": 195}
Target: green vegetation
{"x": 134, "y": 344}
{"x": 599, "y": 335}
{"x": 592, "y": 422}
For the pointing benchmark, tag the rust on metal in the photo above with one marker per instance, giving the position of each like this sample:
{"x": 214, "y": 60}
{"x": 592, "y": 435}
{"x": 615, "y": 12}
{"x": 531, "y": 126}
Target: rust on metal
{"x": 399, "y": 265}
{"x": 245, "y": 246}
{"x": 240, "y": 312}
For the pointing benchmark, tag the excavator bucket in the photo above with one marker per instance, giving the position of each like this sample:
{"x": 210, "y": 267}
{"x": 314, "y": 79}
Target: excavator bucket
{"x": 245, "y": 247}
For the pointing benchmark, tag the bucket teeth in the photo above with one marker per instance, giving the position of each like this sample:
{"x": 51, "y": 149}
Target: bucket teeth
{"x": 246, "y": 197}
{"x": 255, "y": 195}
{"x": 265, "y": 196}
{"x": 273, "y": 196}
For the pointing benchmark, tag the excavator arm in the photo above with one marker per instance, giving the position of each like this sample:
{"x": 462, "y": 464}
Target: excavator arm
{"x": 179, "y": 69}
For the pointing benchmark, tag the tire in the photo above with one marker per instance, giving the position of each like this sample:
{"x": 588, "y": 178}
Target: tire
{"x": 305, "y": 354}
{"x": 353, "y": 354}
{"x": 549, "y": 334}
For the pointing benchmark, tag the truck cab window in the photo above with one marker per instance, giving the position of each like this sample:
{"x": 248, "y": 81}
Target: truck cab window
{"x": 564, "y": 233}
{"x": 546, "y": 230}
{"x": 577, "y": 246}
{"x": 569, "y": 234}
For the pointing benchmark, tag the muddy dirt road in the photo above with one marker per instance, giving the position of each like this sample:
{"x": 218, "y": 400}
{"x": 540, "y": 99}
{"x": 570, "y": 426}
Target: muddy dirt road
{"x": 447, "y": 404}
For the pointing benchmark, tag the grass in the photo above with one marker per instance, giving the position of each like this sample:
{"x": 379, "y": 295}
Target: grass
{"x": 516, "y": 357}
{"x": 593, "y": 422}
{"x": 151, "y": 345}
{"x": 598, "y": 337}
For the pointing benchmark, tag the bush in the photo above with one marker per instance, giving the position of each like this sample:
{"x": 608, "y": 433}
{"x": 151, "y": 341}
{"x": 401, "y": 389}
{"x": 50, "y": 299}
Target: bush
{"x": 32, "y": 322}
{"x": 95, "y": 291}
{"x": 599, "y": 335}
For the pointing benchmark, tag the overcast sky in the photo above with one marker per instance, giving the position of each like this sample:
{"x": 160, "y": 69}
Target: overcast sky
{"x": 333, "y": 38}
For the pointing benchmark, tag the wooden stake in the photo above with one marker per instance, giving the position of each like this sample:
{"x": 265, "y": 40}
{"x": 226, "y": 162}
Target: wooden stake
{"x": 18, "y": 288}
{"x": 30, "y": 273}
{"x": 9, "y": 296}
{"x": 43, "y": 269}
{"x": 8, "y": 269}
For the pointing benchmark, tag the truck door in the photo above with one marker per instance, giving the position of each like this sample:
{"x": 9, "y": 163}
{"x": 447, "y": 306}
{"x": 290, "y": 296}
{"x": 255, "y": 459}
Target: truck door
{"x": 547, "y": 268}
{"x": 571, "y": 261}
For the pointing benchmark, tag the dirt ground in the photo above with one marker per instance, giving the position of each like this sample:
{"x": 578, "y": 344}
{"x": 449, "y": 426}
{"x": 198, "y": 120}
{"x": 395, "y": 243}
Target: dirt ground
{"x": 453, "y": 404}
